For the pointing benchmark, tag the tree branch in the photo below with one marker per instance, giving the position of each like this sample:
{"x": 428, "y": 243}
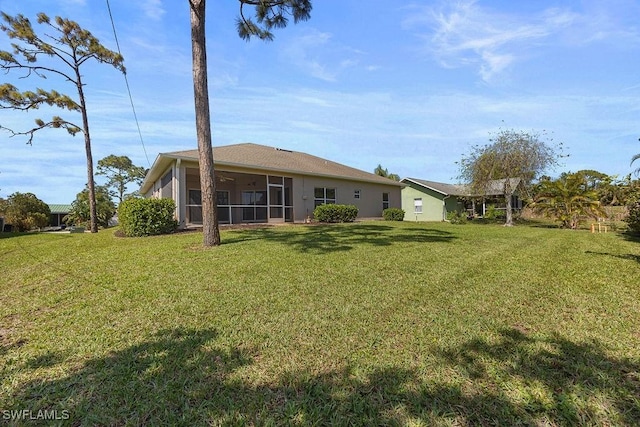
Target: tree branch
{"x": 55, "y": 123}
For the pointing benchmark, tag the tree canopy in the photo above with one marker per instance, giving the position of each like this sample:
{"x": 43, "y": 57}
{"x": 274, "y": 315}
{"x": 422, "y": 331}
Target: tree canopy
{"x": 25, "y": 211}
{"x": 270, "y": 14}
{"x": 515, "y": 158}
{"x": 79, "y": 214}
{"x": 384, "y": 172}
{"x": 62, "y": 50}
{"x": 120, "y": 171}
{"x": 570, "y": 199}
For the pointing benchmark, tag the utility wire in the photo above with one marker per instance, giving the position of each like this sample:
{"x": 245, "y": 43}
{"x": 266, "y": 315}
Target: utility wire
{"x": 126, "y": 80}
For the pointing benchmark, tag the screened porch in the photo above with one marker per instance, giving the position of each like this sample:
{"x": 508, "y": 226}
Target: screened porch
{"x": 242, "y": 198}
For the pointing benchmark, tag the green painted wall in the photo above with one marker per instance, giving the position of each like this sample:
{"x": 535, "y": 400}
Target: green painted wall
{"x": 432, "y": 203}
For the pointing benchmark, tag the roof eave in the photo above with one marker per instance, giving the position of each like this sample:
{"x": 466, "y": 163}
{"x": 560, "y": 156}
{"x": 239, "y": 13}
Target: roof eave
{"x": 428, "y": 187}
{"x": 159, "y": 166}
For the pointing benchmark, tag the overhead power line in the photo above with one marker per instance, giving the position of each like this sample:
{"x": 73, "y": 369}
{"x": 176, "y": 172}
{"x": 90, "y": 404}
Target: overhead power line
{"x": 126, "y": 80}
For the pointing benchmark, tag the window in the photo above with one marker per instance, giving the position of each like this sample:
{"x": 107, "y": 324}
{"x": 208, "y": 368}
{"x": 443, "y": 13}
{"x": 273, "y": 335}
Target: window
{"x": 356, "y": 194}
{"x": 417, "y": 205}
{"x": 324, "y": 196}
{"x": 222, "y": 198}
{"x": 385, "y": 201}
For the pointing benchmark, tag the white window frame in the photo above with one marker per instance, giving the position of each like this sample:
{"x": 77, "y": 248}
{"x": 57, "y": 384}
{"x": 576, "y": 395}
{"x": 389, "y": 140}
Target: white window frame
{"x": 417, "y": 205}
{"x": 324, "y": 200}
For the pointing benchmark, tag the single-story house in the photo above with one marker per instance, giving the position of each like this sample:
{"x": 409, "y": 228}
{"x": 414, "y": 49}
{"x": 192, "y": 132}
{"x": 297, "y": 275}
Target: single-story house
{"x": 58, "y": 212}
{"x": 261, "y": 184}
{"x": 431, "y": 201}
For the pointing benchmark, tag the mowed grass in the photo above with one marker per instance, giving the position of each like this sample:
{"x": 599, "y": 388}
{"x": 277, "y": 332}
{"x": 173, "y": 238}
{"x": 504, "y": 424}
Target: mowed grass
{"x": 361, "y": 324}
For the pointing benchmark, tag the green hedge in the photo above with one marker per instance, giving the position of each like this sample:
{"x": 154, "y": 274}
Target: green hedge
{"x": 335, "y": 213}
{"x": 147, "y": 217}
{"x": 393, "y": 214}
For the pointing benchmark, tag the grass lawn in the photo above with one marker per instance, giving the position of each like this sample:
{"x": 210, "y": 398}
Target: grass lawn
{"x": 362, "y": 324}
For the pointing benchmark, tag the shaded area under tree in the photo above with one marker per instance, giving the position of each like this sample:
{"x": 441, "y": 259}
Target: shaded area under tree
{"x": 181, "y": 377}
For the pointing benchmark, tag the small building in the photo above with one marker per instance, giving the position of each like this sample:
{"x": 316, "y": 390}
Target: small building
{"x": 431, "y": 201}
{"x": 262, "y": 184}
{"x": 58, "y": 212}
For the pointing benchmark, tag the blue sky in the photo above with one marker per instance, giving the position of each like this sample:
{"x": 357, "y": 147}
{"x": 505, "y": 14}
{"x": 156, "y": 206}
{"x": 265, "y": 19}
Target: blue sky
{"x": 407, "y": 84}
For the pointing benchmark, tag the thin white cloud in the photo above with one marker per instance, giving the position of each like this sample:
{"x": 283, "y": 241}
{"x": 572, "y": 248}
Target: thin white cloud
{"x": 153, "y": 9}
{"x": 317, "y": 54}
{"x": 301, "y": 53}
{"x": 613, "y": 22}
{"x": 464, "y": 33}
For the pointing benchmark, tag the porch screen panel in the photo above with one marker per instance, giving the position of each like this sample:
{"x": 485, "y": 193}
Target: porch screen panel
{"x": 288, "y": 199}
{"x": 166, "y": 190}
{"x": 194, "y": 207}
{"x": 254, "y": 205}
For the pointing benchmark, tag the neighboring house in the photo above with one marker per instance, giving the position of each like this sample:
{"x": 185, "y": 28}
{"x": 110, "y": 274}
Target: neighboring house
{"x": 58, "y": 212}
{"x": 432, "y": 201}
{"x": 494, "y": 195}
{"x": 260, "y": 184}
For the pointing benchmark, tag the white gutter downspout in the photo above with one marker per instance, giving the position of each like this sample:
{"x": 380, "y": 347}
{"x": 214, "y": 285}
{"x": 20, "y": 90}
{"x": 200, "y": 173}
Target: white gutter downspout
{"x": 177, "y": 192}
{"x": 444, "y": 207}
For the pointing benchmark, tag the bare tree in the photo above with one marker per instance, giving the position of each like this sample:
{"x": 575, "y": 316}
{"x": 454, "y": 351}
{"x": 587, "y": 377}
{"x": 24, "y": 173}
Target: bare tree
{"x": 269, "y": 14}
{"x": 70, "y": 48}
{"x": 512, "y": 158}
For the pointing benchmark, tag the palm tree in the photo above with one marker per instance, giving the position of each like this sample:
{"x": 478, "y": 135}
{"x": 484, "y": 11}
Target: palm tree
{"x": 384, "y": 172}
{"x": 568, "y": 199}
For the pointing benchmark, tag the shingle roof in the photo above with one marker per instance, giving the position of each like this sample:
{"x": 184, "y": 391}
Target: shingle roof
{"x": 494, "y": 188}
{"x": 276, "y": 159}
{"x": 60, "y": 209}
{"x": 497, "y": 187}
{"x": 440, "y": 187}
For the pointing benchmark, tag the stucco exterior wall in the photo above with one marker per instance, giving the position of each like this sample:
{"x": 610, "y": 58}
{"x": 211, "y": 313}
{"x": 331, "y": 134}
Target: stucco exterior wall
{"x": 369, "y": 204}
{"x": 185, "y": 177}
{"x": 435, "y": 206}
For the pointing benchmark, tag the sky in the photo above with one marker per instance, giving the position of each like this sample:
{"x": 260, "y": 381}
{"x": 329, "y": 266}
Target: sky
{"x": 410, "y": 85}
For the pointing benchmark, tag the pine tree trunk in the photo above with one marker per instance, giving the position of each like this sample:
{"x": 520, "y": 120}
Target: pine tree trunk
{"x": 93, "y": 211}
{"x": 211, "y": 233}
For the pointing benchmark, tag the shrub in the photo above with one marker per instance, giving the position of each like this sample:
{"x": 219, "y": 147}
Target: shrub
{"x": 457, "y": 217}
{"x": 494, "y": 213}
{"x": 633, "y": 217}
{"x": 25, "y": 211}
{"x": 335, "y": 213}
{"x": 147, "y": 217}
{"x": 80, "y": 210}
{"x": 393, "y": 214}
